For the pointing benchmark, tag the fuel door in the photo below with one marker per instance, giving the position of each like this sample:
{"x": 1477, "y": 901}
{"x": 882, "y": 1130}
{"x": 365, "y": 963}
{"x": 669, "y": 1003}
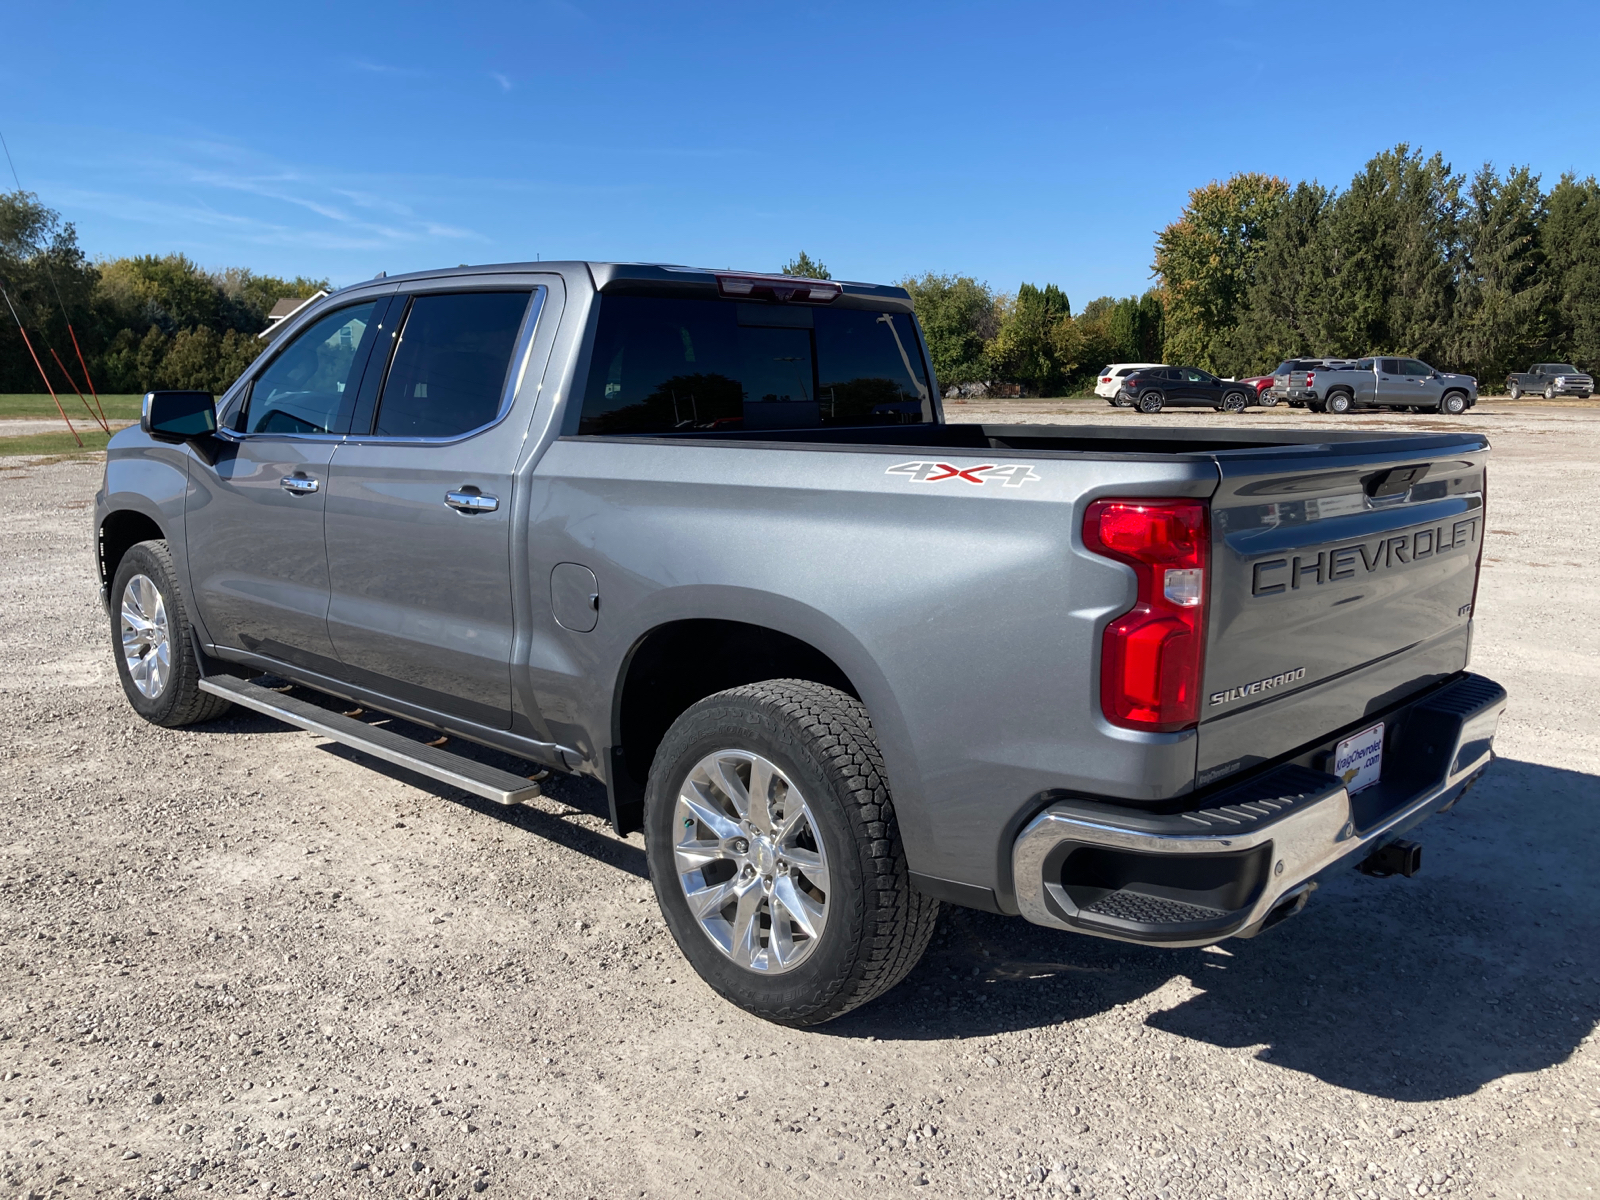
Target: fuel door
{"x": 574, "y": 597}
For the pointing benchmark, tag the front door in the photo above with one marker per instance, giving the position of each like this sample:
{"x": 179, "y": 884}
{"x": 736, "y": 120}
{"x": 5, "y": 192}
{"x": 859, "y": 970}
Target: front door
{"x": 1427, "y": 389}
{"x": 254, "y": 517}
{"x": 419, "y": 510}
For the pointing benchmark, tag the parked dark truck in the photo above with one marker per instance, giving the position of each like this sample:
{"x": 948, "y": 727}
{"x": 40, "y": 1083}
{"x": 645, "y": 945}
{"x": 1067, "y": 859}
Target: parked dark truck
{"x": 1397, "y": 383}
{"x": 1550, "y": 380}
{"x": 707, "y": 538}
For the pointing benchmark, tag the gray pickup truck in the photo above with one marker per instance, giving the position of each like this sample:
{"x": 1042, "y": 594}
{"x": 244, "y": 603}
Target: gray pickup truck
{"x": 1395, "y": 383}
{"x": 707, "y": 538}
{"x": 1550, "y": 380}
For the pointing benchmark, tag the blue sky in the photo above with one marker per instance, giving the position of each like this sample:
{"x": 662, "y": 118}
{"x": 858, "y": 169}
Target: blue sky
{"x": 1013, "y": 142}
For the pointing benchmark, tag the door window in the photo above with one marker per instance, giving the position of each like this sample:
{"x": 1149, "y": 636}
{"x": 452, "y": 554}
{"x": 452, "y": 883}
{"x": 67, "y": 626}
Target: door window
{"x": 307, "y": 386}
{"x": 1192, "y": 376}
{"x": 1415, "y": 368}
{"x": 449, "y": 371}
{"x": 1389, "y": 366}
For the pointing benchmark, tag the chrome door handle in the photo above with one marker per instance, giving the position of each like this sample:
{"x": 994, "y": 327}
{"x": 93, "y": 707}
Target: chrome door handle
{"x": 298, "y": 485}
{"x": 471, "y": 502}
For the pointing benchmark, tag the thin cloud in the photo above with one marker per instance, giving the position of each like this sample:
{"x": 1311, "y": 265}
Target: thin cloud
{"x": 505, "y": 84}
{"x": 376, "y": 68}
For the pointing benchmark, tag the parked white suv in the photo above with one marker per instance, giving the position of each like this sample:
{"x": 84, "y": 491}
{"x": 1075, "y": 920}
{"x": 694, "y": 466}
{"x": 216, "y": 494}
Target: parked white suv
{"x": 1109, "y": 381}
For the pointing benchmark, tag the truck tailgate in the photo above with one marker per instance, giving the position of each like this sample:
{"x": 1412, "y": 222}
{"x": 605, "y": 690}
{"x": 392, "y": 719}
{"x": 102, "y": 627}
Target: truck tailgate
{"x": 1343, "y": 581}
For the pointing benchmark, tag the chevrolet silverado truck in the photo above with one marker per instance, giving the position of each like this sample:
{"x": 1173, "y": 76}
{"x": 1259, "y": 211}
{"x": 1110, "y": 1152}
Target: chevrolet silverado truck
{"x": 707, "y": 538}
{"x": 1550, "y": 380}
{"x": 1393, "y": 383}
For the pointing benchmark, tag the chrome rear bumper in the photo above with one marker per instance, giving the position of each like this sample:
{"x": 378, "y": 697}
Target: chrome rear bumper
{"x": 1193, "y": 877}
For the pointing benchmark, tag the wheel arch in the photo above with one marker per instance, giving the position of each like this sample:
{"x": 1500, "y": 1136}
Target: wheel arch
{"x": 120, "y": 531}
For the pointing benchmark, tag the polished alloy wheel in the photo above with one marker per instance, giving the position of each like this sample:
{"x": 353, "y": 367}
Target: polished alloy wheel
{"x": 145, "y": 636}
{"x": 750, "y": 861}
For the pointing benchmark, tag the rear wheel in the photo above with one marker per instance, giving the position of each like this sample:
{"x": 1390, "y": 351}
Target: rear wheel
{"x": 776, "y": 856}
{"x": 1267, "y": 400}
{"x": 153, "y": 643}
{"x": 1454, "y": 403}
{"x": 1124, "y": 400}
{"x": 1234, "y": 402}
{"x": 1337, "y": 402}
{"x": 1516, "y": 390}
{"x": 1150, "y": 402}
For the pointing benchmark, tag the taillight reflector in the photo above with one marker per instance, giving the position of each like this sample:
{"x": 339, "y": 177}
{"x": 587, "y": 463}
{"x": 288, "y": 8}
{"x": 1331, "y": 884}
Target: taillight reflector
{"x": 1151, "y": 656}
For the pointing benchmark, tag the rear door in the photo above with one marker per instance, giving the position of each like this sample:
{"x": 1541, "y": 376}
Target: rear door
{"x": 420, "y": 506}
{"x": 1343, "y": 580}
{"x": 1392, "y": 386}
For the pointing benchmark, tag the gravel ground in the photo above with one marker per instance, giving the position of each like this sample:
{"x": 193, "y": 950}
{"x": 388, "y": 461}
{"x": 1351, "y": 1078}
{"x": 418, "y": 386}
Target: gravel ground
{"x": 240, "y": 959}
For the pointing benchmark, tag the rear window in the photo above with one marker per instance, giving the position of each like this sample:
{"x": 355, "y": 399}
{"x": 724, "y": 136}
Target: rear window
{"x": 662, "y": 364}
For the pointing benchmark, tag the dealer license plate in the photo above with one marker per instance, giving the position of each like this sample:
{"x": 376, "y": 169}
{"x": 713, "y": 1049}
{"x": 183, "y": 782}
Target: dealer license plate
{"x": 1358, "y": 760}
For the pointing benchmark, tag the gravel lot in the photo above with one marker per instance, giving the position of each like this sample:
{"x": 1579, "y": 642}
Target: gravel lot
{"x": 238, "y": 958}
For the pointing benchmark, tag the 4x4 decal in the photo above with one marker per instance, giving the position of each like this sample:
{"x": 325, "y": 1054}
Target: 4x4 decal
{"x": 1010, "y": 474}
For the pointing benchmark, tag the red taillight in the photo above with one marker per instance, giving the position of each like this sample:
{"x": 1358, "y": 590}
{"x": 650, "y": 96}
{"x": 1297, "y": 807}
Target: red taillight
{"x": 1311, "y": 377}
{"x": 1151, "y": 655}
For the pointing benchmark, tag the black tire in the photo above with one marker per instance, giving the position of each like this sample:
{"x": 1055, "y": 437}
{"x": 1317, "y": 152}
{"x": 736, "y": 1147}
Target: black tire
{"x": 1124, "y": 400}
{"x": 1453, "y": 403}
{"x": 1549, "y": 391}
{"x": 1337, "y": 402}
{"x": 1315, "y": 406}
{"x": 1150, "y": 402}
{"x": 877, "y": 926}
{"x": 1234, "y": 402}
{"x": 1267, "y": 400}
{"x": 1515, "y": 390}
{"x": 178, "y": 700}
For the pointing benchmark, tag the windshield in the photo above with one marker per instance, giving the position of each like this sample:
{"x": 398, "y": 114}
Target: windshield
{"x": 664, "y": 364}
{"x": 1563, "y": 368}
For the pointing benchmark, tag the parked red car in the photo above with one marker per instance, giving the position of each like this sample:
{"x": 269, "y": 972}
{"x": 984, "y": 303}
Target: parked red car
{"x": 1262, "y": 384}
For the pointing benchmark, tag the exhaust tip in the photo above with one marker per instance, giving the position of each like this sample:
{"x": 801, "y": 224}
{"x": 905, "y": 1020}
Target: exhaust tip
{"x": 1393, "y": 858}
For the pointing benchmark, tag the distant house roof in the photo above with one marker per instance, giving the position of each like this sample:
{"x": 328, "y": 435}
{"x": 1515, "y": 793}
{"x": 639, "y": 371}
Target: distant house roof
{"x": 284, "y": 309}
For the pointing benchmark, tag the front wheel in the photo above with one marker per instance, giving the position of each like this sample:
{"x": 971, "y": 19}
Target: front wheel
{"x": 152, "y": 640}
{"x": 1150, "y": 402}
{"x": 1455, "y": 404}
{"x": 1267, "y": 400}
{"x": 1550, "y": 391}
{"x": 1338, "y": 402}
{"x": 1124, "y": 400}
{"x": 1516, "y": 390}
{"x": 776, "y": 856}
{"x": 1234, "y": 402}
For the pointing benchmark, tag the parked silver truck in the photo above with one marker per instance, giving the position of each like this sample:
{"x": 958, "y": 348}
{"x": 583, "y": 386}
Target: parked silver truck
{"x": 1394, "y": 383}
{"x": 707, "y": 538}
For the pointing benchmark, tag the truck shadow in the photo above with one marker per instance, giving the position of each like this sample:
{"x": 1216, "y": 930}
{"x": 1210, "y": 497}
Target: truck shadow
{"x": 1487, "y": 964}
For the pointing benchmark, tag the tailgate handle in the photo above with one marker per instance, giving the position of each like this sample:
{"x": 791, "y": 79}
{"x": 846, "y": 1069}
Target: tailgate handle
{"x": 1396, "y": 481}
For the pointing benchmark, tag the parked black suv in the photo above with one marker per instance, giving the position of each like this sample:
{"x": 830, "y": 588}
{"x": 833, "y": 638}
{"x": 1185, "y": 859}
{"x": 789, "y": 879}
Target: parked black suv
{"x": 1155, "y": 388}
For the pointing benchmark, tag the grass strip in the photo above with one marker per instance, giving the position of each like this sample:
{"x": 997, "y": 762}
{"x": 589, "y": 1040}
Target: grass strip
{"x": 25, "y": 404}
{"x": 52, "y": 443}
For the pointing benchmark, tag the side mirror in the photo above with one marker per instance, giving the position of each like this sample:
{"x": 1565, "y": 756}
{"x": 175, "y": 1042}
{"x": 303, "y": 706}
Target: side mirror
{"x": 178, "y": 416}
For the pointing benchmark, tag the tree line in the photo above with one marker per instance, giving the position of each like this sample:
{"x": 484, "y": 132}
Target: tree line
{"x": 1483, "y": 274}
{"x": 143, "y": 322}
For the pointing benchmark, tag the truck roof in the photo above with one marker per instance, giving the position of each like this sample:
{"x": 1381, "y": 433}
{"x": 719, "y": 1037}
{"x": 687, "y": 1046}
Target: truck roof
{"x": 617, "y": 276}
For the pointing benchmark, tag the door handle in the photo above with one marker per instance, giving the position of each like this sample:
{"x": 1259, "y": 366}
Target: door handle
{"x": 298, "y": 485}
{"x": 471, "y": 502}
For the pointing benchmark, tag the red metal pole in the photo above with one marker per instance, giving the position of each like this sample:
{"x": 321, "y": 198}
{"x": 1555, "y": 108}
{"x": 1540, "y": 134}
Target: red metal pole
{"x": 40, "y": 365}
{"x": 103, "y": 423}
{"x": 81, "y": 396}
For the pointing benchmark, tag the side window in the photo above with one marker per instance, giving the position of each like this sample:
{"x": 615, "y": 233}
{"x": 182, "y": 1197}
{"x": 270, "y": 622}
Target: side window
{"x": 1193, "y": 377}
{"x": 304, "y": 388}
{"x": 1413, "y": 367}
{"x": 449, "y": 370}
{"x": 1366, "y": 364}
{"x": 1389, "y": 366}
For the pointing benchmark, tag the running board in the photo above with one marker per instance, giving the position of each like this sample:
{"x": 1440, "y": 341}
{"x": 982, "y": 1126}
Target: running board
{"x": 489, "y": 782}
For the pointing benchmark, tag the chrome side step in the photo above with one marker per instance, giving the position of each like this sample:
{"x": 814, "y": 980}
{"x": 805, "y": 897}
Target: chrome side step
{"x": 489, "y": 782}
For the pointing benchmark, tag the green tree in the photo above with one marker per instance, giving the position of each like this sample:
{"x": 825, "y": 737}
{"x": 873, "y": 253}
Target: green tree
{"x": 1393, "y": 255}
{"x": 804, "y": 268}
{"x": 959, "y": 320}
{"x": 1570, "y": 238}
{"x": 1206, "y": 263}
{"x": 1037, "y": 345}
{"x": 43, "y": 271}
{"x": 1286, "y": 307}
{"x": 1502, "y": 310}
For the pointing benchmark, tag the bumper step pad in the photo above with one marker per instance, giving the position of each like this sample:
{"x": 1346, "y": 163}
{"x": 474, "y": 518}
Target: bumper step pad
{"x": 470, "y": 776}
